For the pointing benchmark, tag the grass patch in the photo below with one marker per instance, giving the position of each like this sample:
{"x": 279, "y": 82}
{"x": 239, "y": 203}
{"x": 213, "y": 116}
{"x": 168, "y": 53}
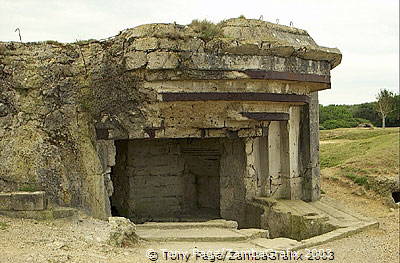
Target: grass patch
{"x": 334, "y": 178}
{"x": 355, "y": 133}
{"x": 364, "y": 161}
{"x": 360, "y": 180}
{"x": 52, "y": 42}
{"x": 336, "y": 154}
{"x": 374, "y": 155}
{"x": 3, "y": 226}
{"x": 85, "y": 42}
{"x": 28, "y": 188}
{"x": 354, "y": 170}
{"x": 207, "y": 29}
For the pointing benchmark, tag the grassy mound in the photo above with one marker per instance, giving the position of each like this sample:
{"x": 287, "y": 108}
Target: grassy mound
{"x": 367, "y": 157}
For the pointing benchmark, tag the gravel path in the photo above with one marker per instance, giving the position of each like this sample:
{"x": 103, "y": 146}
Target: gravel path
{"x": 375, "y": 245}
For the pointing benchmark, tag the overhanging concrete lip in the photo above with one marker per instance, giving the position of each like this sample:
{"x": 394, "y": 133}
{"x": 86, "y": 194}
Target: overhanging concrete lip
{"x": 266, "y": 116}
{"x": 234, "y": 96}
{"x": 292, "y": 76}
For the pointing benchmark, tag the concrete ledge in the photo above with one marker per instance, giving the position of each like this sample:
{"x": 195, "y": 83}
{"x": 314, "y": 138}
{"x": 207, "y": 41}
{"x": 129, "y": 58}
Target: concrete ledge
{"x": 199, "y": 234}
{"x": 49, "y": 214}
{"x": 23, "y": 201}
{"x": 218, "y": 223}
{"x": 291, "y": 244}
{"x": 336, "y": 234}
{"x": 344, "y": 221}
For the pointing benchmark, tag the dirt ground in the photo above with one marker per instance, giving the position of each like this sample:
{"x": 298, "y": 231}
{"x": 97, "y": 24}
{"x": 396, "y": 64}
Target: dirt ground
{"x": 82, "y": 240}
{"x": 374, "y": 245}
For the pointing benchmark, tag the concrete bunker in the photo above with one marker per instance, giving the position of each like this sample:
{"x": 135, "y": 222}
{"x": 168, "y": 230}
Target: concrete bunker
{"x": 165, "y": 123}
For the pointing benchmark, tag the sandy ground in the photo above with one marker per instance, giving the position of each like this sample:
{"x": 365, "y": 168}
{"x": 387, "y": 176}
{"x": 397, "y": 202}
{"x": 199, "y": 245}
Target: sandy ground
{"x": 374, "y": 245}
{"x": 82, "y": 240}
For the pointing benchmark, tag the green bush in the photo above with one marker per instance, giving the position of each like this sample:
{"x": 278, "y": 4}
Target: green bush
{"x": 334, "y": 124}
{"x": 207, "y": 29}
{"x": 343, "y": 123}
{"x": 28, "y": 188}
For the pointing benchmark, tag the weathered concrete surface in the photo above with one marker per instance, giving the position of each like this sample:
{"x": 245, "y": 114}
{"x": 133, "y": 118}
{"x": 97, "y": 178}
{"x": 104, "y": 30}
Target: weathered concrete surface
{"x": 122, "y": 233}
{"x": 57, "y": 100}
{"x": 309, "y": 147}
{"x": 47, "y": 214}
{"x": 292, "y": 224}
{"x": 296, "y": 219}
{"x": 176, "y": 179}
{"x": 198, "y": 232}
{"x": 23, "y": 201}
{"x": 217, "y": 223}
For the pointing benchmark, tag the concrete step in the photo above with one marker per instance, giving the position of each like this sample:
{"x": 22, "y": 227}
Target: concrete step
{"x": 47, "y": 214}
{"x": 277, "y": 244}
{"x": 23, "y": 201}
{"x": 218, "y": 223}
{"x": 202, "y": 234}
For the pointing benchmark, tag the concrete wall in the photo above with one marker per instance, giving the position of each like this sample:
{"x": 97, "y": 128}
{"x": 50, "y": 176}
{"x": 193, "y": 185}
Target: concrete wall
{"x": 202, "y": 172}
{"x": 106, "y": 151}
{"x": 149, "y": 179}
{"x": 160, "y": 179}
{"x": 232, "y": 172}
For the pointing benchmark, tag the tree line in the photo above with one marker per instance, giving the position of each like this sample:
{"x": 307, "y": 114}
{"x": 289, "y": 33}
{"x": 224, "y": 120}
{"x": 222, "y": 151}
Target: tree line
{"x": 384, "y": 112}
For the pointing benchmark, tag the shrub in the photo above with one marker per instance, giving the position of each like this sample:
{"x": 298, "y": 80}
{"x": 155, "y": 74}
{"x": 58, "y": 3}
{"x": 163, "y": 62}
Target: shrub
{"x": 28, "y": 188}
{"x": 206, "y": 29}
{"x": 334, "y": 124}
{"x": 343, "y": 123}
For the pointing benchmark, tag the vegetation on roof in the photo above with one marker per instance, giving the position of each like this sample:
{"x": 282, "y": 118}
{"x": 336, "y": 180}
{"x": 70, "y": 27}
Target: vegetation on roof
{"x": 207, "y": 29}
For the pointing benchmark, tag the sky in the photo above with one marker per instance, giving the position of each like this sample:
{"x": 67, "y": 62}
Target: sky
{"x": 365, "y": 31}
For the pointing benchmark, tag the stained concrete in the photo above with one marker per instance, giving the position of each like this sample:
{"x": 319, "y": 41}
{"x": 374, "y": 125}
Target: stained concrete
{"x": 211, "y": 231}
{"x": 177, "y": 179}
{"x": 32, "y": 205}
{"x": 214, "y": 235}
{"x": 23, "y": 201}
{"x": 63, "y": 105}
{"x": 301, "y": 220}
{"x": 47, "y": 214}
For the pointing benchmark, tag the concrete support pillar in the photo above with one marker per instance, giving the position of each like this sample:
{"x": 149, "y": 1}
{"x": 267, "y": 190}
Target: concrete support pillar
{"x": 309, "y": 148}
{"x": 278, "y": 159}
{"x": 295, "y": 191}
{"x": 251, "y": 173}
{"x": 274, "y": 160}
{"x": 285, "y": 159}
{"x": 256, "y": 177}
{"x": 261, "y": 165}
